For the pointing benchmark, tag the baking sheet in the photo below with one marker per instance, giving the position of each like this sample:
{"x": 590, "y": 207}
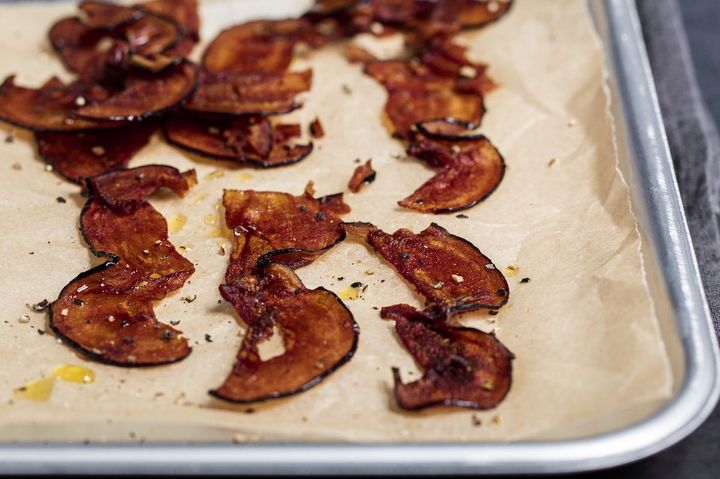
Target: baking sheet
{"x": 583, "y": 326}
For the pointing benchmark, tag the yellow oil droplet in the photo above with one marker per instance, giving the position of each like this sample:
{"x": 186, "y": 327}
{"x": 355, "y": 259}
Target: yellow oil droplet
{"x": 214, "y": 175}
{"x": 244, "y": 177}
{"x": 38, "y": 390}
{"x": 511, "y": 270}
{"x": 349, "y": 293}
{"x": 155, "y": 275}
{"x": 211, "y": 219}
{"x": 200, "y": 198}
{"x": 220, "y": 233}
{"x": 74, "y": 373}
{"x": 176, "y": 222}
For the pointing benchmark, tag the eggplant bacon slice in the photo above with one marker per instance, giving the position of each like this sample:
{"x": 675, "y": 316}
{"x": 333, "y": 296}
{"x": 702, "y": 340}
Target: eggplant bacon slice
{"x": 249, "y": 93}
{"x": 106, "y": 313}
{"x": 447, "y": 270}
{"x": 275, "y": 233}
{"x": 76, "y": 155}
{"x": 471, "y": 168}
{"x": 248, "y": 139}
{"x": 185, "y": 15}
{"x": 462, "y": 366}
{"x": 363, "y": 174}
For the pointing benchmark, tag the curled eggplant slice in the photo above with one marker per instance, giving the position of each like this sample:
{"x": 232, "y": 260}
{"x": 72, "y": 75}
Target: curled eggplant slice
{"x": 292, "y": 230}
{"x": 462, "y": 366}
{"x": 249, "y": 93}
{"x": 319, "y": 335}
{"x": 144, "y": 95}
{"x": 471, "y": 169}
{"x": 363, "y": 174}
{"x": 151, "y": 34}
{"x": 50, "y": 107}
{"x": 75, "y": 155}
{"x": 107, "y": 312}
{"x": 447, "y": 270}
{"x": 79, "y": 48}
{"x": 252, "y": 140}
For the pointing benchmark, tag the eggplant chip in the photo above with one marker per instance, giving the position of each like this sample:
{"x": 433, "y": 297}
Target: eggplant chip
{"x": 292, "y": 230}
{"x": 319, "y": 335}
{"x": 75, "y": 155}
{"x": 471, "y": 169}
{"x": 252, "y": 140}
{"x": 48, "y": 108}
{"x": 249, "y": 93}
{"x": 316, "y": 129}
{"x": 463, "y": 367}
{"x": 144, "y": 95}
{"x": 447, "y": 270}
{"x": 107, "y": 312}
{"x": 362, "y": 174}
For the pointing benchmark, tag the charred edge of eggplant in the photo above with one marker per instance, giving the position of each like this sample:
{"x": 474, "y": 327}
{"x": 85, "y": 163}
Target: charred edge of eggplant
{"x": 267, "y": 258}
{"x": 468, "y": 125}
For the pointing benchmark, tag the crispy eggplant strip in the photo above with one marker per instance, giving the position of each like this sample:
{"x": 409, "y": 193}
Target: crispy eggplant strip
{"x": 75, "y": 155}
{"x": 249, "y": 93}
{"x": 447, "y": 270}
{"x": 48, "y": 108}
{"x": 462, "y": 366}
{"x": 144, "y": 95}
{"x": 275, "y": 233}
{"x": 471, "y": 169}
{"x": 362, "y": 174}
{"x": 318, "y": 331}
{"x": 106, "y": 313}
{"x": 251, "y": 140}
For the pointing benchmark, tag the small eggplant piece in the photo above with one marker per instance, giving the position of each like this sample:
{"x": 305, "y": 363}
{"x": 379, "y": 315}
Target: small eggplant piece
{"x": 144, "y": 95}
{"x": 107, "y": 313}
{"x": 48, "y": 108}
{"x": 463, "y": 367}
{"x": 362, "y": 174}
{"x": 318, "y": 331}
{"x": 471, "y": 169}
{"x": 252, "y": 140}
{"x": 316, "y": 129}
{"x": 75, "y": 155}
{"x": 249, "y": 93}
{"x": 447, "y": 270}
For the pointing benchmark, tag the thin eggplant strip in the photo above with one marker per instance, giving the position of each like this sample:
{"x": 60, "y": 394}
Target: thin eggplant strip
{"x": 106, "y": 313}
{"x": 462, "y": 366}
{"x": 447, "y": 270}
{"x": 76, "y": 155}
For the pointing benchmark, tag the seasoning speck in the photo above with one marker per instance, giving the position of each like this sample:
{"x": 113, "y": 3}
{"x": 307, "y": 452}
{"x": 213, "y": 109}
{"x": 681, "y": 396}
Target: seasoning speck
{"x": 346, "y": 89}
{"x": 9, "y": 138}
{"x": 98, "y": 150}
{"x": 64, "y": 312}
{"x": 41, "y": 306}
{"x": 175, "y": 322}
{"x": 476, "y": 421}
{"x": 462, "y": 216}
{"x": 438, "y": 285}
{"x": 189, "y": 299}
{"x": 457, "y": 278}
{"x": 492, "y": 312}
{"x": 208, "y": 338}
{"x": 552, "y": 162}
{"x": 48, "y": 168}
{"x": 525, "y": 280}
{"x": 356, "y": 284}
{"x": 167, "y": 335}
{"x": 41, "y": 331}
{"x": 24, "y": 318}
{"x": 16, "y": 166}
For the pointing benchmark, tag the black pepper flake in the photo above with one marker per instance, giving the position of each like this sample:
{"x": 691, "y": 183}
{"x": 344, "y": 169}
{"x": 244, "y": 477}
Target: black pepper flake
{"x": 501, "y": 292}
{"x": 175, "y": 322}
{"x": 346, "y": 89}
{"x": 302, "y": 208}
{"x": 249, "y": 410}
{"x": 356, "y": 284}
{"x": 41, "y": 306}
{"x": 189, "y": 299}
{"x": 376, "y": 308}
{"x": 404, "y": 255}
{"x": 462, "y": 216}
{"x": 525, "y": 280}
{"x": 492, "y": 312}
{"x": 319, "y": 216}
{"x": 208, "y": 338}
{"x": 356, "y": 160}
{"x": 167, "y": 335}
{"x": 9, "y": 138}
{"x": 340, "y": 278}
{"x": 41, "y": 331}
{"x": 60, "y": 199}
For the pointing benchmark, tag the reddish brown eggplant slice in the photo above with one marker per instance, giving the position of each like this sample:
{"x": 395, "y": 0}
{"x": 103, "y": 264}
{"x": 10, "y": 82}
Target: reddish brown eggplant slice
{"x": 446, "y": 269}
{"x": 245, "y": 139}
{"x": 144, "y": 95}
{"x": 75, "y": 155}
{"x": 316, "y": 129}
{"x": 362, "y": 174}
{"x": 249, "y": 93}
{"x": 78, "y": 48}
{"x": 463, "y": 367}
{"x": 48, "y": 108}
{"x": 471, "y": 169}
{"x": 293, "y": 229}
{"x": 318, "y": 332}
{"x": 264, "y": 46}
{"x": 106, "y": 313}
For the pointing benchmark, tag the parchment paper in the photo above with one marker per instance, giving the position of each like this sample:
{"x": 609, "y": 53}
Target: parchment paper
{"x": 589, "y": 353}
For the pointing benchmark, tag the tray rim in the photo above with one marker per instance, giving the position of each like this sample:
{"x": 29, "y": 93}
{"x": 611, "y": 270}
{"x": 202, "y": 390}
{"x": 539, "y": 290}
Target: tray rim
{"x": 694, "y": 401}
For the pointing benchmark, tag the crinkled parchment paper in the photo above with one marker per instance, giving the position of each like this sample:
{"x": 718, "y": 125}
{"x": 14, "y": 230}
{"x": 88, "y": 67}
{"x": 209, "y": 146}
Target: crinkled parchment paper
{"x": 589, "y": 353}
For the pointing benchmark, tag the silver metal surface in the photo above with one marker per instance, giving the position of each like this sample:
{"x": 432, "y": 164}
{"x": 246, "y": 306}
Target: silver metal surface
{"x": 660, "y": 215}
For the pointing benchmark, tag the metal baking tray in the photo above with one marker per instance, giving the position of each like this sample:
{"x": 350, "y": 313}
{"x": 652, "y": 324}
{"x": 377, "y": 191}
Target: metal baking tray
{"x": 674, "y": 282}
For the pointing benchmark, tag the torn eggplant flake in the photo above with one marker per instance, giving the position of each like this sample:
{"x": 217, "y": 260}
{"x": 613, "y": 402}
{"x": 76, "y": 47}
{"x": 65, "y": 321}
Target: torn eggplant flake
{"x": 435, "y": 256}
{"x": 281, "y": 226}
{"x": 316, "y": 129}
{"x": 471, "y": 169}
{"x": 144, "y": 95}
{"x": 362, "y": 174}
{"x": 74, "y": 155}
{"x": 107, "y": 312}
{"x": 48, "y": 108}
{"x": 252, "y": 140}
{"x": 318, "y": 331}
{"x": 462, "y": 366}
{"x": 249, "y": 93}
